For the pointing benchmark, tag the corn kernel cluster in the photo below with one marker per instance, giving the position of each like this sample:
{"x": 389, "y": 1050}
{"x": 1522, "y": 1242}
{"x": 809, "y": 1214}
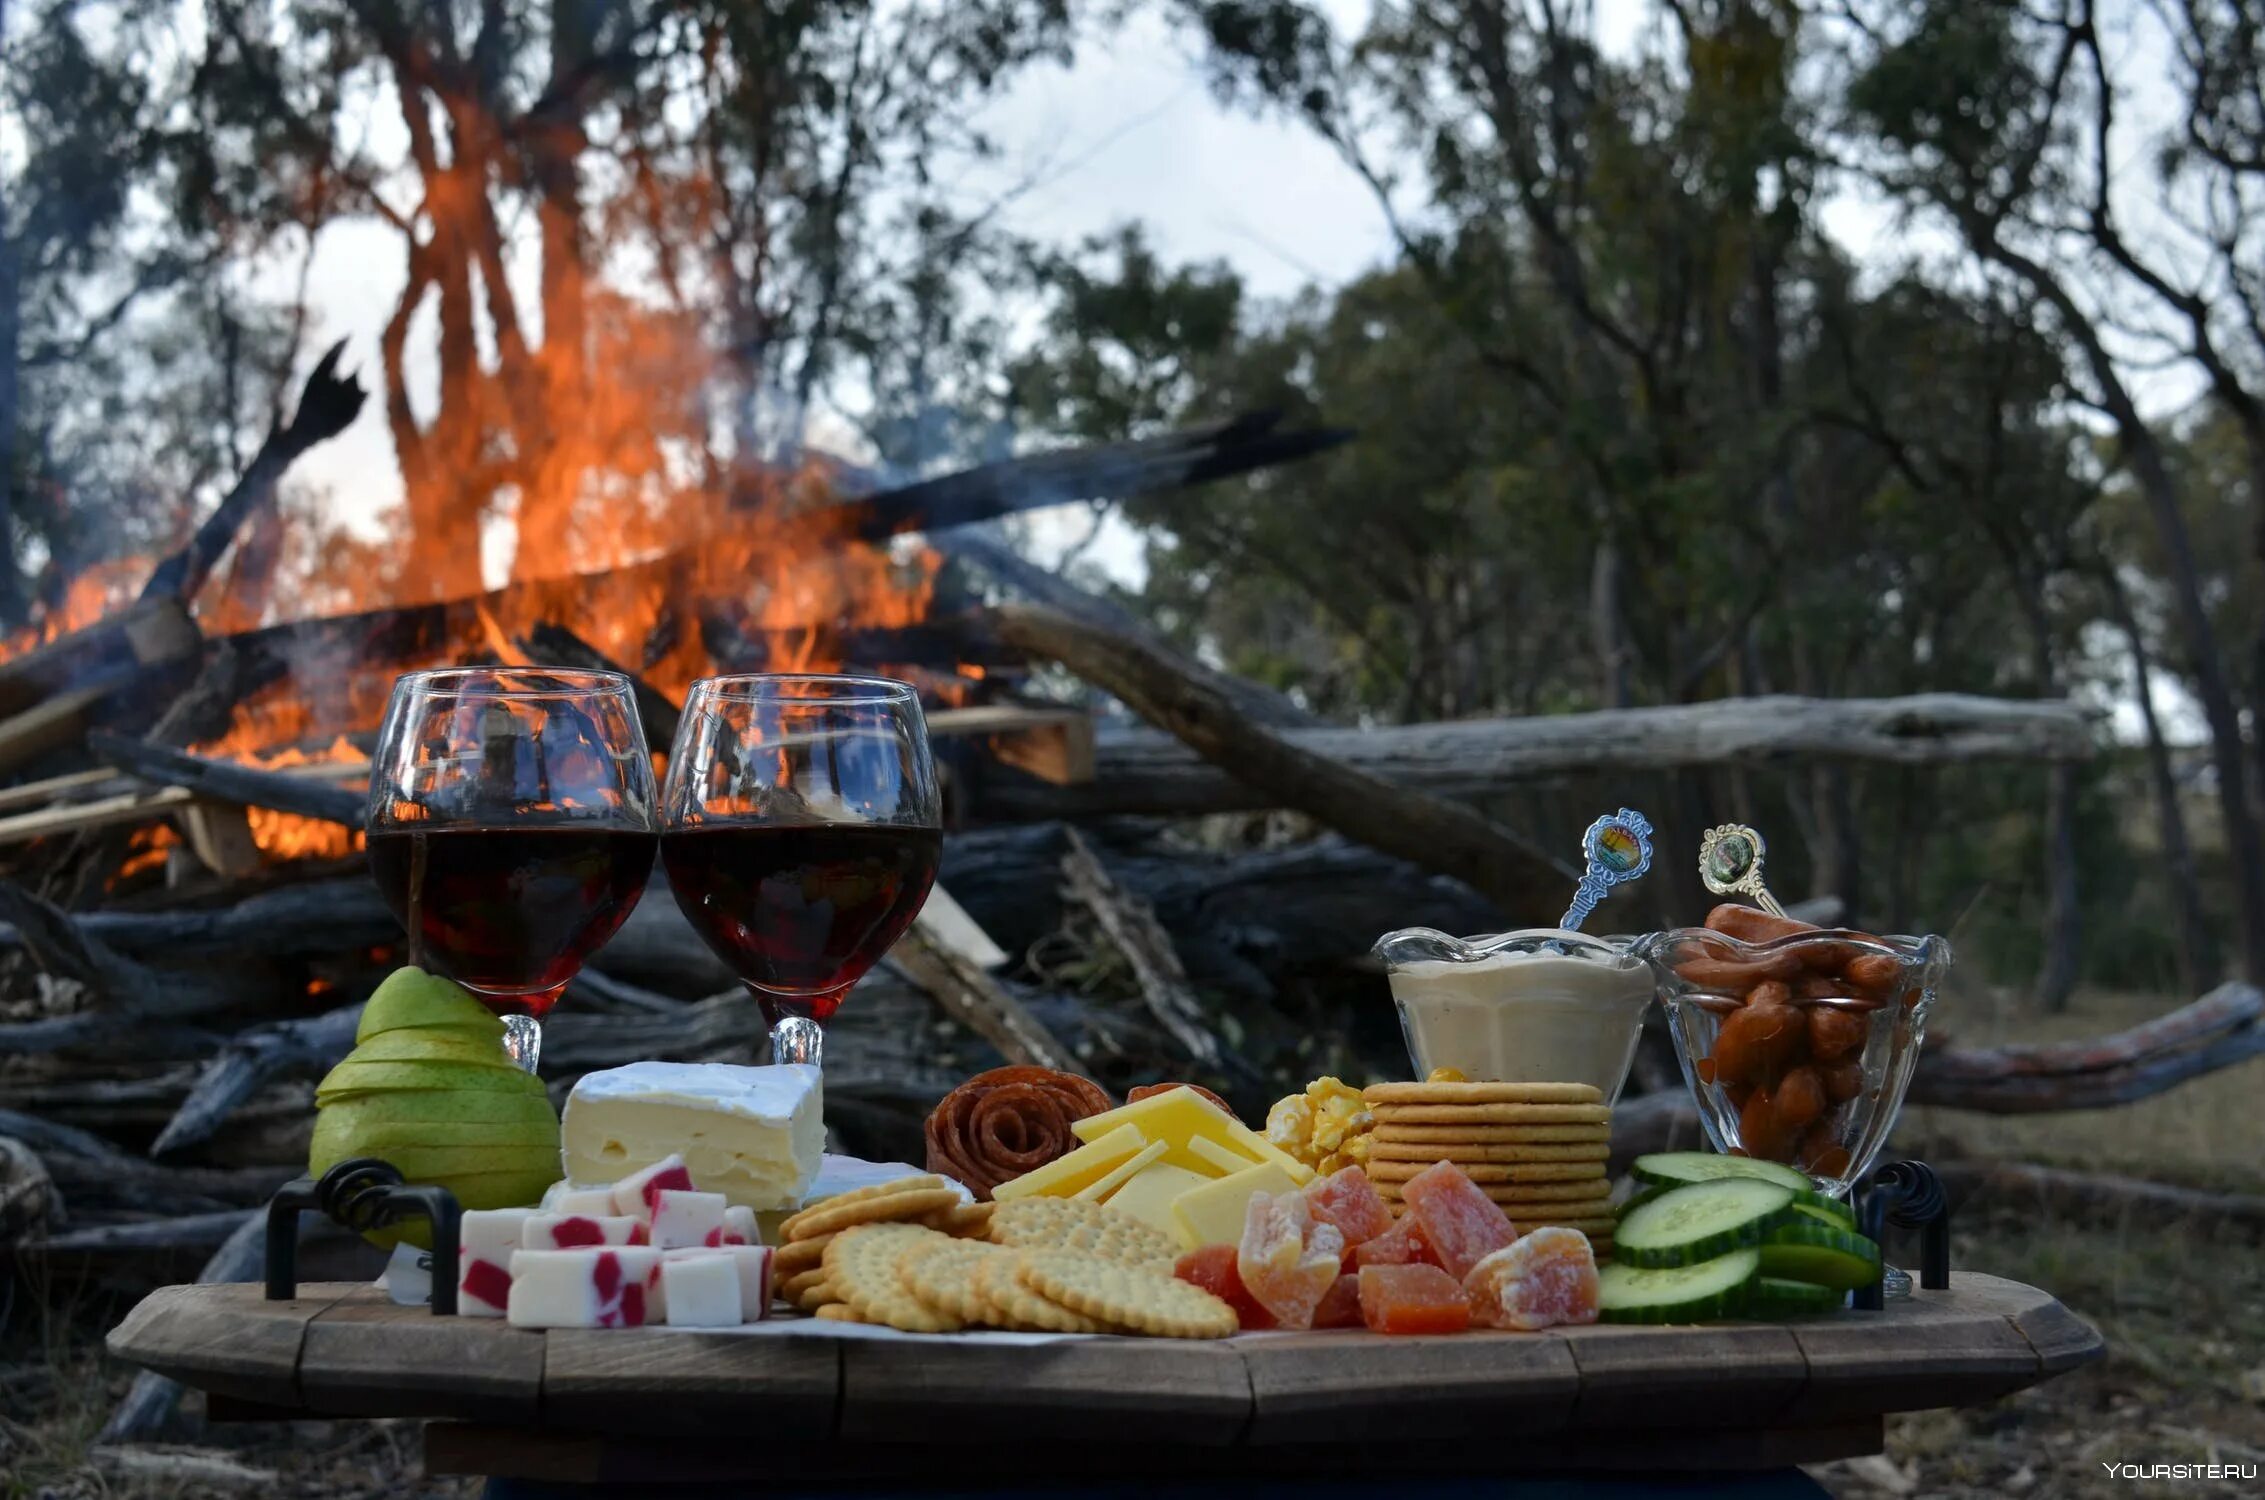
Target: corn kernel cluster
{"x": 1327, "y": 1127}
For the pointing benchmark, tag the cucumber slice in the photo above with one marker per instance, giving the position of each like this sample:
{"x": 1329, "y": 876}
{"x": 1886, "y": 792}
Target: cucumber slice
{"x": 1682, "y": 1168}
{"x": 1689, "y": 1224}
{"x": 1676, "y": 1294}
{"x": 1777, "y": 1297}
{"x": 1819, "y": 1254}
{"x": 1831, "y": 1213}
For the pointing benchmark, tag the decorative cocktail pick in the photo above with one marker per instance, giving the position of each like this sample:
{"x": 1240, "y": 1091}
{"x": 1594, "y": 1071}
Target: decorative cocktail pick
{"x": 1730, "y": 863}
{"x": 1619, "y": 849}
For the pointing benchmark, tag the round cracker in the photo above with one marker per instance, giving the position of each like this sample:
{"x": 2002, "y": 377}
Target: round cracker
{"x": 1072, "y": 1224}
{"x": 838, "y": 1312}
{"x": 1498, "y": 1151}
{"x": 802, "y": 1281}
{"x": 1483, "y": 1093}
{"x": 1008, "y": 1303}
{"x": 1136, "y": 1300}
{"x": 1524, "y": 1135}
{"x": 1516, "y": 1192}
{"x": 861, "y": 1268}
{"x": 919, "y": 1182}
{"x": 1492, "y": 1114}
{"x": 1526, "y": 1225}
{"x": 1483, "y": 1172}
{"x": 943, "y": 1277}
{"x": 797, "y": 1256}
{"x": 817, "y": 1296}
{"x": 886, "y": 1208}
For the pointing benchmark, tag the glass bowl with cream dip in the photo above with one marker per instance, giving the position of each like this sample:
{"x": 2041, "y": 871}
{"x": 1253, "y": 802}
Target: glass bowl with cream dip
{"x": 1542, "y": 1005}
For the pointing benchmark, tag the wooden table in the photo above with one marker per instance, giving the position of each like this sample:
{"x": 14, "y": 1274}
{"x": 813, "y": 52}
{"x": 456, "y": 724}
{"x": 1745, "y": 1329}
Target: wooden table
{"x": 654, "y": 1404}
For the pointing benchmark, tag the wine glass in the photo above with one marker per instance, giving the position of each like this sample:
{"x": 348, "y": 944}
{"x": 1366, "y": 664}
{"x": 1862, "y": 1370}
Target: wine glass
{"x": 802, "y": 833}
{"x": 512, "y": 828}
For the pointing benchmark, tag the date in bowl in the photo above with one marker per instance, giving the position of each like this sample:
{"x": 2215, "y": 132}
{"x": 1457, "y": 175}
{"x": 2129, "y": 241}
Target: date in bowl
{"x": 1799, "y": 1049}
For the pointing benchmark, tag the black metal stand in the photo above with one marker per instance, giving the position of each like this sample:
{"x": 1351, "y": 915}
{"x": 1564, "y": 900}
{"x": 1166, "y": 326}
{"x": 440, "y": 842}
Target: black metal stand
{"x": 1908, "y": 1193}
{"x": 362, "y": 1194}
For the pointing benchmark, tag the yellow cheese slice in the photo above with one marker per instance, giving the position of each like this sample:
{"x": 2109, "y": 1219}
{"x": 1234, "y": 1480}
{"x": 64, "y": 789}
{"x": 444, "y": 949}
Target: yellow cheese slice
{"x": 1213, "y": 1213}
{"x": 1223, "y": 1161}
{"x": 1148, "y": 1196}
{"x": 1179, "y": 1116}
{"x": 1120, "y": 1174}
{"x": 1063, "y": 1176}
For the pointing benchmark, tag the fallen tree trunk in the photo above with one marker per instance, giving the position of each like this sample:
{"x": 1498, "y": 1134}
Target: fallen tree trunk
{"x": 1133, "y": 930}
{"x": 246, "y": 1063}
{"x": 1146, "y": 773}
{"x": 1186, "y": 701}
{"x": 2094, "y": 1195}
{"x": 2217, "y": 1031}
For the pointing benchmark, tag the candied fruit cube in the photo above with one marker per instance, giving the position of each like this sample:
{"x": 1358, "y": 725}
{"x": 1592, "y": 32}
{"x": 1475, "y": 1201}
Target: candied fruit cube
{"x": 1350, "y": 1201}
{"x": 1402, "y": 1244}
{"x": 1342, "y": 1307}
{"x": 1212, "y": 1267}
{"x": 1461, "y": 1224}
{"x": 1412, "y": 1299}
{"x": 1545, "y": 1278}
{"x": 1287, "y": 1261}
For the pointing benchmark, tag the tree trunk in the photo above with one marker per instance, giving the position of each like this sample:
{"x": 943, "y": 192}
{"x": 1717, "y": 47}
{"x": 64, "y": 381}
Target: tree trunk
{"x": 11, "y": 353}
{"x": 2197, "y": 948}
{"x": 2229, "y": 756}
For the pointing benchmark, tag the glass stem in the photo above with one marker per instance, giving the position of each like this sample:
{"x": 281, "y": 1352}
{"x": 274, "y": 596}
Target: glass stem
{"x": 797, "y": 1039}
{"x": 523, "y": 1040}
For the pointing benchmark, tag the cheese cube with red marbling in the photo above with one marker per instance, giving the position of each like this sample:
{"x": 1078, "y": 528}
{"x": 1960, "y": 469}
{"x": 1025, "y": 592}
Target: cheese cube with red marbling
{"x": 580, "y": 1231}
{"x": 634, "y": 1194}
{"x": 684, "y": 1220}
{"x": 609, "y": 1288}
{"x": 739, "y": 1226}
{"x": 753, "y": 1263}
{"x": 701, "y": 1288}
{"x": 589, "y": 1202}
{"x": 487, "y": 1239}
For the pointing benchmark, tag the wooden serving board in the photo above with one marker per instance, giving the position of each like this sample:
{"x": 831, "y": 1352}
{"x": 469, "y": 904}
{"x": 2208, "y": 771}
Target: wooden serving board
{"x": 590, "y": 1404}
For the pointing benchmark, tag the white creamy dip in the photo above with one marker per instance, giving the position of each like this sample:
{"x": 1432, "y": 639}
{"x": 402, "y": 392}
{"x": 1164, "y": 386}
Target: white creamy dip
{"x": 1524, "y": 1017}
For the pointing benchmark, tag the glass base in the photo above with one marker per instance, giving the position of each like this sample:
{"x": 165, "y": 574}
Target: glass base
{"x": 1895, "y": 1282}
{"x": 523, "y": 1040}
{"x": 797, "y": 1039}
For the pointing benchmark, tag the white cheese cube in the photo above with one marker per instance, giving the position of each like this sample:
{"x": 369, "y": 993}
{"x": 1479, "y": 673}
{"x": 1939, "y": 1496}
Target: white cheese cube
{"x": 486, "y": 1241}
{"x": 633, "y": 1195}
{"x": 687, "y": 1221}
{"x": 739, "y": 1226}
{"x": 585, "y": 1288}
{"x": 580, "y": 1231}
{"x": 754, "y": 1265}
{"x": 591, "y": 1203}
{"x": 701, "y": 1290}
{"x": 753, "y": 1134}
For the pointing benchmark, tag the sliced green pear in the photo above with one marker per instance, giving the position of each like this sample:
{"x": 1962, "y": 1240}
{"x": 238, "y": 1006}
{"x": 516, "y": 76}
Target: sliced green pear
{"x": 436, "y": 1044}
{"x": 481, "y": 1108}
{"x": 342, "y": 1131}
{"x": 352, "y": 1120}
{"x": 354, "y": 1078}
{"x": 413, "y": 998}
{"x": 449, "y": 1164}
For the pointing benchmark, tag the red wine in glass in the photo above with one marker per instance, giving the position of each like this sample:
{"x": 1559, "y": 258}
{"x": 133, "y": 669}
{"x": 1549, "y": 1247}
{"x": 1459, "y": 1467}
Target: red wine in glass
{"x": 512, "y": 828}
{"x": 512, "y": 913}
{"x": 801, "y": 830}
{"x": 802, "y": 911}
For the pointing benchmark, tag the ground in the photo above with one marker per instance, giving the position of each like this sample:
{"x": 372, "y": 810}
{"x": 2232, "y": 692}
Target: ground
{"x": 2182, "y": 1306}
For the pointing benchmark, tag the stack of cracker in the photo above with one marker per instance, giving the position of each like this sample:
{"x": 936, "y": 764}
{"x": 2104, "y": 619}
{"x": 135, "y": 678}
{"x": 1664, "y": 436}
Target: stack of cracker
{"x": 1537, "y": 1149}
{"x": 901, "y": 1256}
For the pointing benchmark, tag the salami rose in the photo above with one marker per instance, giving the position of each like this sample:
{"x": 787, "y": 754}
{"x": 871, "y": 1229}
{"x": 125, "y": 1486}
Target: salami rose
{"x": 1006, "y": 1122}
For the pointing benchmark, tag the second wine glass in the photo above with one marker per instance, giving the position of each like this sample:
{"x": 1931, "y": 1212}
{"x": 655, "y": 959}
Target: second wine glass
{"x": 801, "y": 830}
